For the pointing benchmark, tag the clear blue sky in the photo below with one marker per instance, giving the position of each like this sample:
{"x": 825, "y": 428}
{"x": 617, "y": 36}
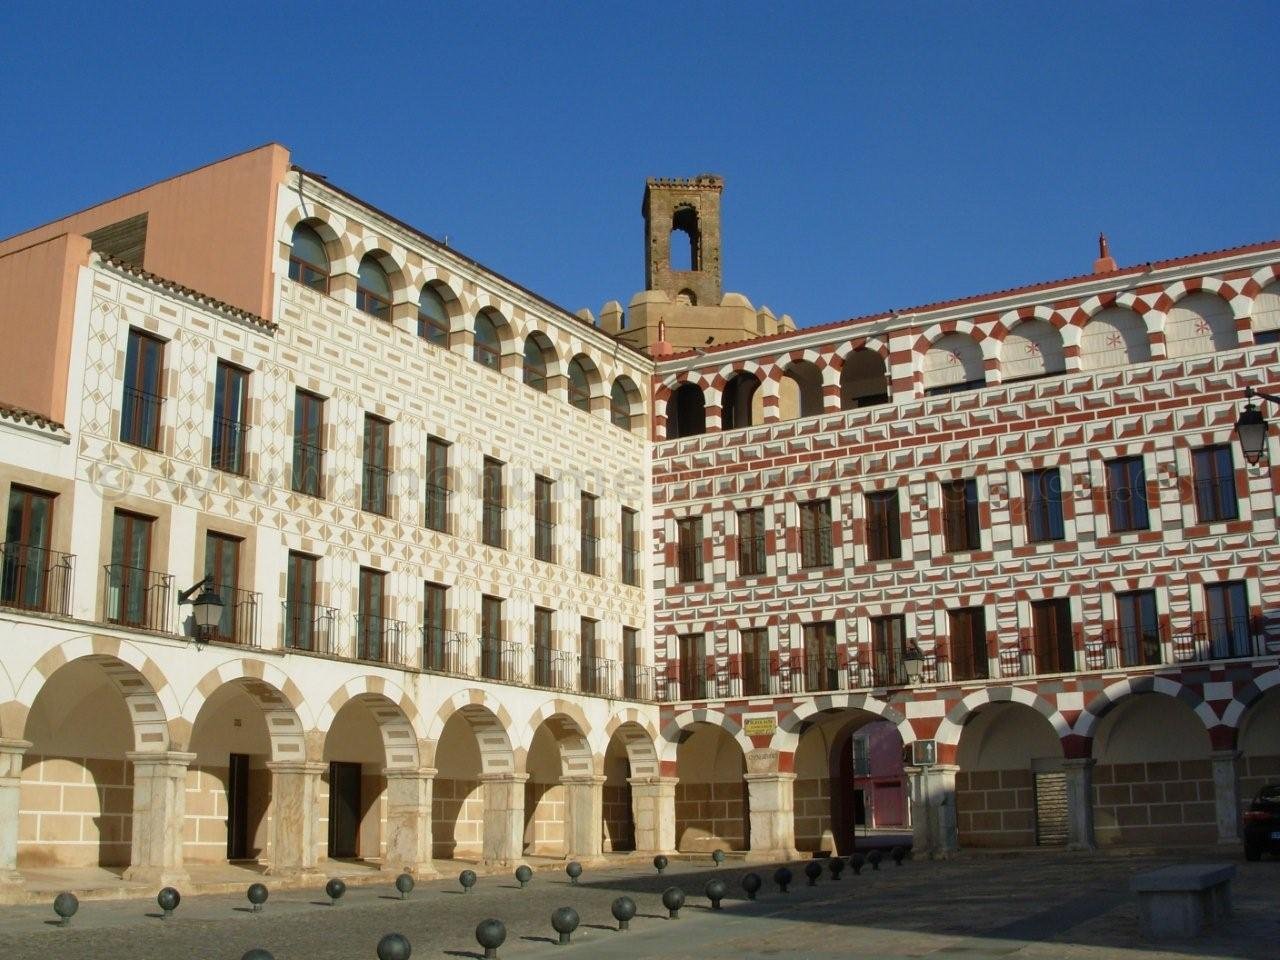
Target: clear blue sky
{"x": 875, "y": 155}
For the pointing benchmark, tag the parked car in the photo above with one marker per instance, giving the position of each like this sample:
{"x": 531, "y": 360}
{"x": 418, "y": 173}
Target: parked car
{"x": 1262, "y": 823}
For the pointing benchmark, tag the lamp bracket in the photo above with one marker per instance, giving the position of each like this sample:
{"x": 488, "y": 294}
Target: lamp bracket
{"x": 185, "y": 596}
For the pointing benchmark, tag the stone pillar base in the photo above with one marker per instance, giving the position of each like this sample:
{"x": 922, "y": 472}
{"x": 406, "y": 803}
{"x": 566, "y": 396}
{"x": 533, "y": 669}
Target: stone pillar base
{"x": 159, "y": 876}
{"x": 779, "y": 855}
{"x": 503, "y": 841}
{"x": 933, "y": 811}
{"x": 653, "y": 814}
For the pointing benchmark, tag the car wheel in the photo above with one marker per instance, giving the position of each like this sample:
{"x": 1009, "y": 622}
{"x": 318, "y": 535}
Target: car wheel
{"x": 1253, "y": 851}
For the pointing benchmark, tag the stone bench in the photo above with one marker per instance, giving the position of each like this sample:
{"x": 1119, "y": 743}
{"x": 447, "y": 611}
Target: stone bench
{"x": 1180, "y": 902}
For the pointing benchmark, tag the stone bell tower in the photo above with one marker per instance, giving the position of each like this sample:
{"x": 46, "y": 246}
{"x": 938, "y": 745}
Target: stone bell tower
{"x": 690, "y": 207}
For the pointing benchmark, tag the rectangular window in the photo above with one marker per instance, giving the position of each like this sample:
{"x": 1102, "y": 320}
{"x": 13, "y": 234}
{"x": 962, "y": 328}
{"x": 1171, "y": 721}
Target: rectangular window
{"x": 594, "y": 677}
{"x": 491, "y": 634}
{"x": 884, "y": 526}
{"x": 371, "y": 626}
{"x": 755, "y": 662}
{"x": 135, "y": 595}
{"x": 751, "y": 560}
{"x": 544, "y": 528}
{"x": 630, "y": 551}
{"x": 436, "y": 495}
{"x": 32, "y": 577}
{"x": 306, "y": 625}
{"x": 1138, "y": 623}
{"x": 222, "y": 564}
{"x": 689, "y": 548}
{"x": 435, "y": 600}
{"x": 590, "y": 541}
{"x": 888, "y": 642}
{"x": 1227, "y": 605}
{"x": 960, "y": 526}
{"x": 968, "y": 643}
{"x": 821, "y": 663}
{"x": 632, "y": 688}
{"x": 143, "y": 391}
{"x": 693, "y": 666}
{"x": 308, "y": 444}
{"x": 815, "y": 533}
{"x": 376, "y": 466}
{"x": 1127, "y": 494}
{"x": 230, "y": 419}
{"x": 491, "y": 520}
{"x": 1215, "y": 479}
{"x": 543, "y": 674}
{"x": 1051, "y": 636}
{"x": 1042, "y": 490}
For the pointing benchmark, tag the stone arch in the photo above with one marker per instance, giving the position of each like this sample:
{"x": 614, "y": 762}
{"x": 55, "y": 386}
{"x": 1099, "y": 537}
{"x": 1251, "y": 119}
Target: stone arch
{"x": 1030, "y": 348}
{"x": 331, "y": 228}
{"x": 687, "y": 411}
{"x": 864, "y": 377}
{"x": 12, "y": 712}
{"x": 393, "y": 710}
{"x": 1264, "y": 309}
{"x": 1113, "y": 336}
{"x": 1110, "y": 697}
{"x": 146, "y": 691}
{"x": 673, "y": 729}
{"x": 626, "y": 404}
{"x": 279, "y": 698}
{"x": 491, "y": 724}
{"x": 1247, "y": 696}
{"x": 448, "y": 299}
{"x": 952, "y": 724}
{"x": 952, "y": 361}
{"x": 788, "y": 732}
{"x": 583, "y": 382}
{"x": 540, "y": 362}
{"x": 639, "y": 739}
{"x": 801, "y": 386}
{"x": 1198, "y": 321}
{"x": 484, "y": 352}
{"x": 740, "y": 400}
{"x": 568, "y": 725}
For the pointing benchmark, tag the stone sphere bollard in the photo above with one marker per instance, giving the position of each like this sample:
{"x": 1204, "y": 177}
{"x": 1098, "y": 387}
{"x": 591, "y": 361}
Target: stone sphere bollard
{"x": 257, "y": 953}
{"x": 717, "y": 857}
{"x": 673, "y": 900}
{"x": 168, "y": 900}
{"x": 257, "y": 894}
{"x": 394, "y": 946}
{"x": 404, "y": 883}
{"x": 836, "y": 867}
{"x": 899, "y": 854}
{"x": 856, "y": 861}
{"x": 523, "y": 875}
{"x": 574, "y": 870}
{"x": 65, "y": 906}
{"x": 782, "y": 877}
{"x": 751, "y": 883}
{"x": 874, "y": 858}
{"x": 564, "y": 921}
{"x": 624, "y": 911}
{"x": 660, "y": 863}
{"x": 716, "y": 891}
{"x": 813, "y": 870}
{"x": 334, "y": 890}
{"x": 491, "y": 934}
{"x": 468, "y": 880}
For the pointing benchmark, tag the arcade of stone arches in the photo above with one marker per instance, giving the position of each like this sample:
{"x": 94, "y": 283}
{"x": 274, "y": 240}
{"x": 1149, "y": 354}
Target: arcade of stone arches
{"x": 100, "y": 766}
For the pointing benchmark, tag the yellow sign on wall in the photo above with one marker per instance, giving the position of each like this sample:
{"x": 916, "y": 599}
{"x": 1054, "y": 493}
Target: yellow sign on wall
{"x": 760, "y": 726}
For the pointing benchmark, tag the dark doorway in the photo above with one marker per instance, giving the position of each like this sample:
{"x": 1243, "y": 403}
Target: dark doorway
{"x": 847, "y": 807}
{"x": 344, "y": 809}
{"x": 238, "y": 807}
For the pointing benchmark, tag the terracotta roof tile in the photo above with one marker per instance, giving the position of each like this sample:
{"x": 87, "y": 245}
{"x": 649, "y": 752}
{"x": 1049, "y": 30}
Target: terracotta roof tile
{"x": 202, "y": 298}
{"x": 30, "y": 417}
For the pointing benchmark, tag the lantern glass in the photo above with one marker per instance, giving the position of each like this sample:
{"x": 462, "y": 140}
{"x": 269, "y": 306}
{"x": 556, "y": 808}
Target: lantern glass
{"x": 912, "y": 661}
{"x": 208, "y": 609}
{"x": 1251, "y": 428}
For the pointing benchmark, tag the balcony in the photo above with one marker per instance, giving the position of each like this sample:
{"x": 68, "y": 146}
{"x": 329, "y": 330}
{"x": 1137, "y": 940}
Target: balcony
{"x": 140, "y": 418}
{"x": 815, "y": 547}
{"x": 447, "y": 651}
{"x": 228, "y": 451}
{"x": 637, "y": 682}
{"x": 309, "y": 627}
{"x": 308, "y": 468}
{"x": 134, "y": 597}
{"x": 502, "y": 660}
{"x": 597, "y": 675}
{"x": 379, "y": 639}
{"x": 239, "y": 623}
{"x": 33, "y": 578}
{"x": 555, "y": 668}
{"x": 376, "y": 481}
{"x": 751, "y": 556}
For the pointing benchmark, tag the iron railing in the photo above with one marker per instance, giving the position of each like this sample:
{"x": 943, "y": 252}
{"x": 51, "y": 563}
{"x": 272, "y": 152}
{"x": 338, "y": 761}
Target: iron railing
{"x": 631, "y": 566}
{"x": 596, "y": 675}
{"x": 228, "y": 451}
{"x": 544, "y": 541}
{"x": 309, "y": 627}
{"x": 374, "y": 491}
{"x": 1216, "y": 499}
{"x": 379, "y": 639}
{"x": 590, "y": 554}
{"x": 33, "y": 578}
{"x": 239, "y": 623}
{"x": 690, "y": 563}
{"x": 502, "y": 660}
{"x": 447, "y": 651}
{"x": 491, "y": 524}
{"x": 815, "y": 547}
{"x": 140, "y": 418}
{"x": 751, "y": 556}
{"x": 755, "y": 675}
{"x": 555, "y": 668}
{"x": 436, "y": 509}
{"x": 308, "y": 467}
{"x": 135, "y": 597}
{"x": 637, "y": 682}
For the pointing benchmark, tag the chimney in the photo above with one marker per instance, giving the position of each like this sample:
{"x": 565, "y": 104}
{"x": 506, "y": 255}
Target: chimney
{"x": 1105, "y": 262}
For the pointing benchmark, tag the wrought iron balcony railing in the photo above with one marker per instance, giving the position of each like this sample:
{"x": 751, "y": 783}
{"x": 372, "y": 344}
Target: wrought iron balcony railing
{"x": 135, "y": 597}
{"x": 33, "y": 578}
{"x": 379, "y": 639}
{"x": 310, "y": 627}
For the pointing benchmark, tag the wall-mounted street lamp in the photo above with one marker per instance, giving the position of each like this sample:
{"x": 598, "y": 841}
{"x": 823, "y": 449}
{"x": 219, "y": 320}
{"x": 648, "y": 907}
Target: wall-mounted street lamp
{"x": 1251, "y": 428}
{"x": 912, "y": 661}
{"x": 206, "y": 609}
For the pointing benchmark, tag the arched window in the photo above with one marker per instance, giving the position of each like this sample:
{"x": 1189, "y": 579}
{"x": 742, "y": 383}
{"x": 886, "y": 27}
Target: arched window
{"x": 620, "y": 402}
{"x": 1266, "y": 315}
{"x": 862, "y": 380}
{"x": 686, "y": 412}
{"x": 800, "y": 392}
{"x": 308, "y": 259}
{"x": 1200, "y": 323}
{"x": 1031, "y": 349}
{"x": 687, "y": 297}
{"x": 737, "y": 400}
{"x": 488, "y": 345}
{"x": 952, "y": 364}
{"x": 536, "y": 348}
{"x": 373, "y": 289}
{"x": 579, "y": 384}
{"x": 685, "y": 252}
{"x": 433, "y": 317}
{"x": 1113, "y": 338}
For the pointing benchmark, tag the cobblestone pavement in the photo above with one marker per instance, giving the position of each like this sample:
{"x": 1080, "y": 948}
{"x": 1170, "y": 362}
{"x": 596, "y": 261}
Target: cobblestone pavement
{"x": 1025, "y": 905}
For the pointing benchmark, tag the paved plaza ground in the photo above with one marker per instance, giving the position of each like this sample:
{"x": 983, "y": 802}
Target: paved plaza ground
{"x": 1025, "y": 905}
